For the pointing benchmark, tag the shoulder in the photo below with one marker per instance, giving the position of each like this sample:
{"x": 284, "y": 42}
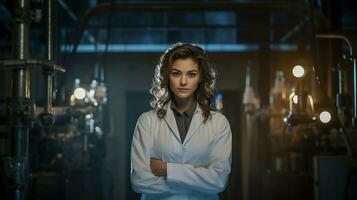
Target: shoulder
{"x": 147, "y": 116}
{"x": 217, "y": 116}
{"x": 145, "y": 123}
{"x": 219, "y": 120}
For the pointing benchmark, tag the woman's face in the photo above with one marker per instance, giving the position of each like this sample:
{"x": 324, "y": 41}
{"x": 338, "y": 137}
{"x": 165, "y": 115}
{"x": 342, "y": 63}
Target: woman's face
{"x": 184, "y": 78}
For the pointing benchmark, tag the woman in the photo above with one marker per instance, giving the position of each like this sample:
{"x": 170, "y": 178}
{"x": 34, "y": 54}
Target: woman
{"x": 181, "y": 149}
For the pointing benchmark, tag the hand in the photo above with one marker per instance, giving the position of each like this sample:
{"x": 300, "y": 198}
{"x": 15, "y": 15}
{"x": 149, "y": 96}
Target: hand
{"x": 158, "y": 167}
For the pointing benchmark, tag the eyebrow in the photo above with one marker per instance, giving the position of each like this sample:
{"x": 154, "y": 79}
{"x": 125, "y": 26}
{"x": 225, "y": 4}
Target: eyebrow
{"x": 194, "y": 70}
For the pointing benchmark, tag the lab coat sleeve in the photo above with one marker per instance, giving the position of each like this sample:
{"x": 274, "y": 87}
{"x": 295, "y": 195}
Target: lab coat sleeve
{"x": 142, "y": 179}
{"x": 210, "y": 179}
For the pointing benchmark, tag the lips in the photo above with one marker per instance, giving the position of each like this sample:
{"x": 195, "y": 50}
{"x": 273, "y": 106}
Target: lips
{"x": 183, "y": 89}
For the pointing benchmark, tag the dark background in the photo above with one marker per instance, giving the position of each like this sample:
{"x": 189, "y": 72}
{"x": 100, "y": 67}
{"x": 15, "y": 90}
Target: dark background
{"x": 270, "y": 35}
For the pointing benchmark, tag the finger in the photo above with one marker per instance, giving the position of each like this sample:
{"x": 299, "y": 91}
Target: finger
{"x": 155, "y": 162}
{"x": 155, "y": 159}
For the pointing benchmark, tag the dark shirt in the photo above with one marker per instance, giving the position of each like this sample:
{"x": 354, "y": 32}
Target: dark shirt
{"x": 183, "y": 120}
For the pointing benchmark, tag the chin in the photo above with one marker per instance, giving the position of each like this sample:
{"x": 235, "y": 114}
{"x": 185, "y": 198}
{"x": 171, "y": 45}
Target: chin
{"x": 184, "y": 96}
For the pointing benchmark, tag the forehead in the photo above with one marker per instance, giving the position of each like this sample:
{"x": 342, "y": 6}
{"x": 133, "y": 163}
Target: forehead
{"x": 186, "y": 64}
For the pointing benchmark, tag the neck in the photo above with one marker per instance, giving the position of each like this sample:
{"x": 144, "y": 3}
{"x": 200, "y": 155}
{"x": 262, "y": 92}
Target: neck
{"x": 183, "y": 104}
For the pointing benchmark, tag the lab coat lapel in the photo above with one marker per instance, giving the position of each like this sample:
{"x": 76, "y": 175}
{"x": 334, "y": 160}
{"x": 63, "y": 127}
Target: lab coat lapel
{"x": 196, "y": 121}
{"x": 171, "y": 121}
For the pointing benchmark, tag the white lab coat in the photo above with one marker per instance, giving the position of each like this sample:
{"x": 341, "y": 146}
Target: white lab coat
{"x": 198, "y": 168}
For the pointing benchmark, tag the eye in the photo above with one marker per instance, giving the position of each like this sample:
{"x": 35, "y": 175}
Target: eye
{"x": 191, "y": 75}
{"x": 175, "y": 74}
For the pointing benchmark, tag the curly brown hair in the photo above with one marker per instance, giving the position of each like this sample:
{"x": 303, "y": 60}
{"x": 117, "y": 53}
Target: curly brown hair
{"x": 206, "y": 90}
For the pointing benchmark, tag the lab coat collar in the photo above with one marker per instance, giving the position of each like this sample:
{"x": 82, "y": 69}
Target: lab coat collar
{"x": 196, "y": 121}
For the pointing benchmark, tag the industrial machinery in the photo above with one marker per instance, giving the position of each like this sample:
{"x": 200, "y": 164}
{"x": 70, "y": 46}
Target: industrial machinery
{"x": 41, "y": 141}
{"x": 310, "y": 142}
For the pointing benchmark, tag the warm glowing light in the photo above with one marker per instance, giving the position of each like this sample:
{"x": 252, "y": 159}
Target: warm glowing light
{"x": 295, "y": 99}
{"x": 298, "y": 71}
{"x": 325, "y": 117}
{"x": 91, "y": 92}
{"x": 79, "y": 93}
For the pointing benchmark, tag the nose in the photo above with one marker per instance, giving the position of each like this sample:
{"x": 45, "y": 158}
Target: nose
{"x": 183, "y": 80}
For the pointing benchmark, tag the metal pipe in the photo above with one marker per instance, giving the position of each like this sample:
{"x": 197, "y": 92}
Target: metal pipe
{"x": 341, "y": 80}
{"x": 22, "y": 27}
{"x": 294, "y": 30}
{"x": 18, "y": 84}
{"x": 19, "y": 151}
{"x": 337, "y": 36}
{"x": 49, "y": 32}
{"x": 49, "y": 90}
{"x": 47, "y": 118}
{"x": 21, "y": 49}
{"x": 21, "y": 81}
{"x": 18, "y": 104}
{"x": 348, "y": 41}
{"x": 193, "y": 6}
{"x": 49, "y": 72}
{"x": 354, "y": 119}
{"x": 27, "y": 81}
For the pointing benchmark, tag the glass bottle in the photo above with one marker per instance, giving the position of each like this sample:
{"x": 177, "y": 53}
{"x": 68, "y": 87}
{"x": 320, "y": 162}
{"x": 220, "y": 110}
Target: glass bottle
{"x": 278, "y": 103}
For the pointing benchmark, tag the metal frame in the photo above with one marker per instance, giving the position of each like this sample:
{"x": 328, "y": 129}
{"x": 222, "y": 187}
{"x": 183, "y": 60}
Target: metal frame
{"x": 19, "y": 106}
{"x": 189, "y": 6}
